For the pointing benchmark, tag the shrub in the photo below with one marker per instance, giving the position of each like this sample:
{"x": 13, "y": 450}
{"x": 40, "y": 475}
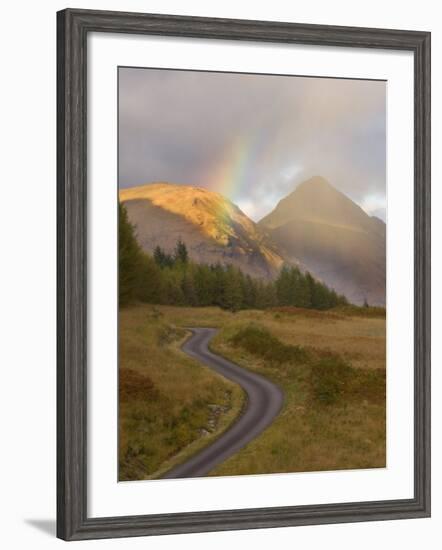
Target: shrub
{"x": 368, "y": 385}
{"x": 330, "y": 377}
{"x": 133, "y": 385}
{"x": 167, "y": 334}
{"x": 260, "y": 342}
{"x": 333, "y": 380}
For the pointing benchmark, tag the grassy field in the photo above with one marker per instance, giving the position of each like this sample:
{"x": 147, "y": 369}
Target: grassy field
{"x": 331, "y": 366}
{"x": 169, "y": 405}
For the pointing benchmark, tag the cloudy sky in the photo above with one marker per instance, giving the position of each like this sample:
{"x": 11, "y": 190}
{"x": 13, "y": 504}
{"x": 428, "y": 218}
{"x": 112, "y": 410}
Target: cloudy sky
{"x": 253, "y": 138}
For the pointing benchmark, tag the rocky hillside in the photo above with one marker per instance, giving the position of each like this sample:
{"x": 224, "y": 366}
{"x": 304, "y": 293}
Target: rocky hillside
{"x": 213, "y": 228}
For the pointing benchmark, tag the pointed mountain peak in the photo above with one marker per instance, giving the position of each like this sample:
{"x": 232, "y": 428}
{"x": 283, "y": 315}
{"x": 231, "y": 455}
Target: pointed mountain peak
{"x": 317, "y": 185}
{"x": 316, "y": 182}
{"x": 316, "y": 200}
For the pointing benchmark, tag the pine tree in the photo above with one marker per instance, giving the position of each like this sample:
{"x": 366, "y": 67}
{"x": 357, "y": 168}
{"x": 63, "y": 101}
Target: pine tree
{"x": 284, "y": 291}
{"x": 158, "y": 256}
{"x": 188, "y": 288}
{"x": 219, "y": 277}
{"x": 129, "y": 258}
{"x": 320, "y": 296}
{"x": 232, "y": 296}
{"x": 296, "y": 287}
{"x": 203, "y": 282}
{"x": 150, "y": 285}
{"x": 266, "y": 295}
{"x": 162, "y": 258}
{"x": 181, "y": 254}
{"x": 176, "y": 280}
{"x": 249, "y": 291}
{"x": 173, "y": 287}
{"x": 304, "y": 297}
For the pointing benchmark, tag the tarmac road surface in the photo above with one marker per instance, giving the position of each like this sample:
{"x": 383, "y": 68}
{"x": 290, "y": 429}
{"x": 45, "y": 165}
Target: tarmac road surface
{"x": 264, "y": 402}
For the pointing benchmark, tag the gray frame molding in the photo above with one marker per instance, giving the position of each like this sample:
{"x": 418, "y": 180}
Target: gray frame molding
{"x": 73, "y": 27}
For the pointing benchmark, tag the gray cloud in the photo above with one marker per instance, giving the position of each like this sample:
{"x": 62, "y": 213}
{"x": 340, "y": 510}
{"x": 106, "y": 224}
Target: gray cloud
{"x": 252, "y": 137}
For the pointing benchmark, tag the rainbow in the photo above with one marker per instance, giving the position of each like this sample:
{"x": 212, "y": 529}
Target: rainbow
{"x": 230, "y": 175}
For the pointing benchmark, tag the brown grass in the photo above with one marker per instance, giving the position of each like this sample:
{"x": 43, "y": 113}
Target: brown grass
{"x": 165, "y": 397}
{"x": 308, "y": 313}
{"x": 360, "y": 311}
{"x": 333, "y": 417}
{"x": 133, "y": 386}
{"x": 311, "y": 434}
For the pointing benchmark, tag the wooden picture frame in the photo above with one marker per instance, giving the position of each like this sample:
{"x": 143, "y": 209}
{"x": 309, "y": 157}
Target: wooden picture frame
{"x": 73, "y": 27}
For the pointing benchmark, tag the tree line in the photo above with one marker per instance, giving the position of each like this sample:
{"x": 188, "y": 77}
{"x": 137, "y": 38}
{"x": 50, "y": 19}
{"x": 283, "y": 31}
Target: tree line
{"x": 175, "y": 279}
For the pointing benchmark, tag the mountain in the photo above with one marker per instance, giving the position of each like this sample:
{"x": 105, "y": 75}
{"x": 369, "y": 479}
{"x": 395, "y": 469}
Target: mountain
{"x": 331, "y": 235}
{"x": 213, "y": 228}
{"x": 380, "y": 213}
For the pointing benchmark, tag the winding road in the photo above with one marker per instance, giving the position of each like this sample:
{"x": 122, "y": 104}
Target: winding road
{"x": 264, "y": 402}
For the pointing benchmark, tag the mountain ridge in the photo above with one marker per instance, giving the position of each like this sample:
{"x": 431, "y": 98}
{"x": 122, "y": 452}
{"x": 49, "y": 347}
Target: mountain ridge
{"x": 319, "y": 198}
{"x": 213, "y": 227}
{"x": 334, "y": 237}
{"x": 315, "y": 227}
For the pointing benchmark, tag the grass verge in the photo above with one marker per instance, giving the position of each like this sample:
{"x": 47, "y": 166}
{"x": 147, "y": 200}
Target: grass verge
{"x": 334, "y": 413}
{"x": 169, "y": 405}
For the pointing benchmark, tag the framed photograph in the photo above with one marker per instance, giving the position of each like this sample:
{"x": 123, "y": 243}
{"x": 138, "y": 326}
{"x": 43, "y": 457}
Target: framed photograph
{"x": 243, "y": 274}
